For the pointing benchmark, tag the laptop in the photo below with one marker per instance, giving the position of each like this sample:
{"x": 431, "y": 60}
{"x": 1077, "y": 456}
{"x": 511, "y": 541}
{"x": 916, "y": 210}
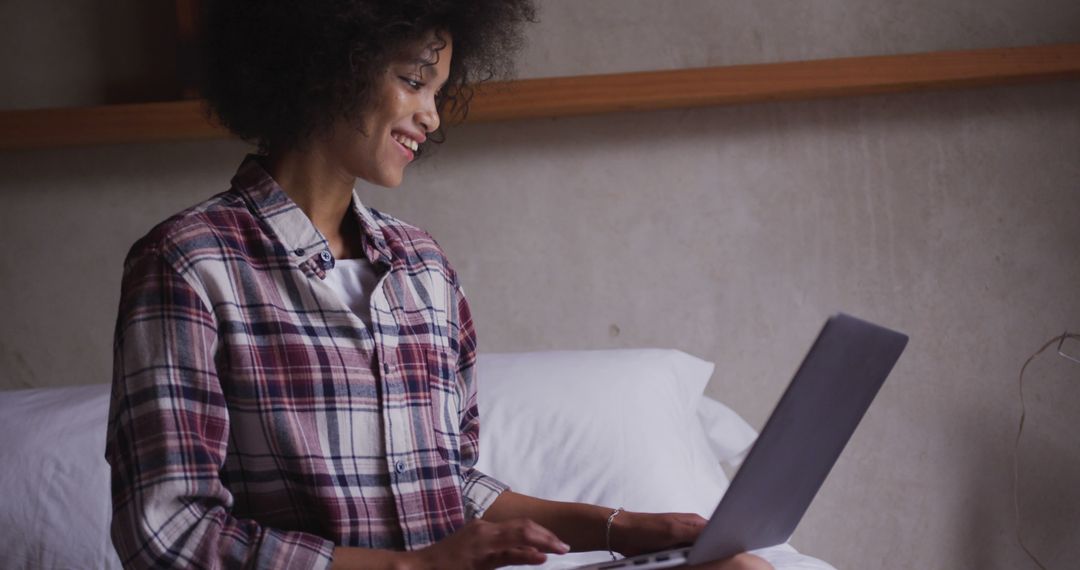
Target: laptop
{"x": 796, "y": 449}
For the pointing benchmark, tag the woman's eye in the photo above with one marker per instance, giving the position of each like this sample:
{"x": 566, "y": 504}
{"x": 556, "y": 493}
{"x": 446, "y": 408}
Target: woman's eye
{"x": 413, "y": 83}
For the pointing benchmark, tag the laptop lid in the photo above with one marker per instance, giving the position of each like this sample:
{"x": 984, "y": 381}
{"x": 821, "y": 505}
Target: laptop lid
{"x": 801, "y": 441}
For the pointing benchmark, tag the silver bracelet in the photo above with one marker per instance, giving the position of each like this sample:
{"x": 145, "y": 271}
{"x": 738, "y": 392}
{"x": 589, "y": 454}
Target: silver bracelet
{"x": 607, "y": 532}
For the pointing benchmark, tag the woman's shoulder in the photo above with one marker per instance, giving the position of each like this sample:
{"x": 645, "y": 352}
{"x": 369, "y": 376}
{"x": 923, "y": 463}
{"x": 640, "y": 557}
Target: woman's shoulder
{"x": 412, "y": 243}
{"x": 406, "y": 235}
{"x": 197, "y": 230}
{"x": 393, "y": 226}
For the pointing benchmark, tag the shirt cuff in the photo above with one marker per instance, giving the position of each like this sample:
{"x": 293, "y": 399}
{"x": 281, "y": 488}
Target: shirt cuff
{"x": 478, "y": 492}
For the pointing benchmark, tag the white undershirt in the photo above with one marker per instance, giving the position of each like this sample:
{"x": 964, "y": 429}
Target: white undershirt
{"x": 354, "y": 280}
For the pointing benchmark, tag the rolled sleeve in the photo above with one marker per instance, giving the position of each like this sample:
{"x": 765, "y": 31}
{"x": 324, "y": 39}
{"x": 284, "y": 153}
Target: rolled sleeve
{"x": 479, "y": 492}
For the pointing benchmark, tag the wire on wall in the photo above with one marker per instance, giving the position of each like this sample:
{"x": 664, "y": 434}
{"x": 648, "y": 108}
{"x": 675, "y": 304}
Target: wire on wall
{"x": 1060, "y": 340}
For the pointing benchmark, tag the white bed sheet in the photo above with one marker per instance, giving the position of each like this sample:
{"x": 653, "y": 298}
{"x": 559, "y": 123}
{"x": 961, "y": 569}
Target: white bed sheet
{"x": 55, "y": 480}
{"x": 782, "y": 557}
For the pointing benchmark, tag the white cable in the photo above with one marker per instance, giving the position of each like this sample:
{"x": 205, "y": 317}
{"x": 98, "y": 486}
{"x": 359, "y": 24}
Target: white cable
{"x": 1016, "y": 446}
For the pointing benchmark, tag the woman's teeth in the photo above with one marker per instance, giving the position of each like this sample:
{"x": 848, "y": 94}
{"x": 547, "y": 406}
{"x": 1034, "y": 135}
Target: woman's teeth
{"x": 407, "y": 142}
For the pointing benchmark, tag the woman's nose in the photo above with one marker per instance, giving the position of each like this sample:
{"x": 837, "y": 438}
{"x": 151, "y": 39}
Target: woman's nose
{"x": 428, "y": 116}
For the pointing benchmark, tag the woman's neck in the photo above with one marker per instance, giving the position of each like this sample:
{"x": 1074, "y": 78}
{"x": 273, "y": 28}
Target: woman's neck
{"x": 323, "y": 190}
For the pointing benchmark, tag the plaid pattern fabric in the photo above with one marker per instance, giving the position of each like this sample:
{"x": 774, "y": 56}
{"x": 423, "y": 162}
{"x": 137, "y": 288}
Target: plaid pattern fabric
{"x": 255, "y": 420}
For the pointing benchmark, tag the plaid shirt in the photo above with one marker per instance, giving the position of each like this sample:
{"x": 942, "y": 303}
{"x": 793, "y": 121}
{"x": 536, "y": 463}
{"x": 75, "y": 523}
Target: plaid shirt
{"x": 255, "y": 420}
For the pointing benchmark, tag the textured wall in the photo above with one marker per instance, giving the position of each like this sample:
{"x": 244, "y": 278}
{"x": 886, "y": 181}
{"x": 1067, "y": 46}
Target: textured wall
{"x": 729, "y": 232}
{"x": 66, "y": 53}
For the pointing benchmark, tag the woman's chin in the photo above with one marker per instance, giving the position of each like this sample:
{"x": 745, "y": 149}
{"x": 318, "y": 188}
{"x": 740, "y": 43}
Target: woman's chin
{"x": 388, "y": 182}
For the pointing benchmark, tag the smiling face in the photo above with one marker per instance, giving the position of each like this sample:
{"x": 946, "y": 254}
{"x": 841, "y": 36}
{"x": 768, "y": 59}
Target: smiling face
{"x": 402, "y": 114}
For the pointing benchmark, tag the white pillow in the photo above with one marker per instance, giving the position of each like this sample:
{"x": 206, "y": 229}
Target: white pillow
{"x": 56, "y": 506}
{"x": 729, "y": 436}
{"x": 610, "y": 427}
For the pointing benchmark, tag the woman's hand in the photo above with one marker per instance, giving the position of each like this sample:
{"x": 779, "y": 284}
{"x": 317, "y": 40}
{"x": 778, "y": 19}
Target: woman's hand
{"x": 480, "y": 545}
{"x": 638, "y": 533}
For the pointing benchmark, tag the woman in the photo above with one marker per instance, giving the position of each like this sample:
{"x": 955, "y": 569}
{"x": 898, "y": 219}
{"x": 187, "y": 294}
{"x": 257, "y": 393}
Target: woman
{"x": 294, "y": 372}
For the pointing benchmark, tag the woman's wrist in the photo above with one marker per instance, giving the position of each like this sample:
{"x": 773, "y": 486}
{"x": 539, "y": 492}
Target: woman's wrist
{"x": 411, "y": 560}
{"x": 621, "y": 529}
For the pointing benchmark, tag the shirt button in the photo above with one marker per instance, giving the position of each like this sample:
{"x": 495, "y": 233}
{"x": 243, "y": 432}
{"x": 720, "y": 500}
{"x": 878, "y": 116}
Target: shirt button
{"x": 400, "y": 466}
{"x": 386, "y": 368}
{"x": 325, "y": 255}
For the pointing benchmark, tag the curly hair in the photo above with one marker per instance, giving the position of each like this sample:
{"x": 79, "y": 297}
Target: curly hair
{"x": 280, "y": 72}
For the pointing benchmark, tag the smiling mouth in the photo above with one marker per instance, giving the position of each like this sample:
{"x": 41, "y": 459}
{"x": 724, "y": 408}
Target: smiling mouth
{"x": 406, "y": 142}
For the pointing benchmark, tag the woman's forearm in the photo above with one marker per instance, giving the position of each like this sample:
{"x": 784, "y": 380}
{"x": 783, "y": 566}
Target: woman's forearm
{"x": 351, "y": 558}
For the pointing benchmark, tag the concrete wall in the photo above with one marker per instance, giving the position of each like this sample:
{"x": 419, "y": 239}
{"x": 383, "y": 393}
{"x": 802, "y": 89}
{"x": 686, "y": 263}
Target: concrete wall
{"x": 727, "y": 232}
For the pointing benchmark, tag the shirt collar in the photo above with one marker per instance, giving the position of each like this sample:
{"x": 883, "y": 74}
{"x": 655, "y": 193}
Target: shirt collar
{"x": 290, "y": 224}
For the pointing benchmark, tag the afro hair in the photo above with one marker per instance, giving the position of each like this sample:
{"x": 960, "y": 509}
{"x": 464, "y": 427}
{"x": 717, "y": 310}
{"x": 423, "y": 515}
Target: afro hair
{"x": 280, "y": 72}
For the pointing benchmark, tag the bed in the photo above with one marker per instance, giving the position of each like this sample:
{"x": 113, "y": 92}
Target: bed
{"x": 627, "y": 428}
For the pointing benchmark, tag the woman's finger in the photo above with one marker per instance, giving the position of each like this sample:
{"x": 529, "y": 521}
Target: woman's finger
{"x": 688, "y": 527}
{"x": 529, "y": 533}
{"x": 516, "y": 555}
